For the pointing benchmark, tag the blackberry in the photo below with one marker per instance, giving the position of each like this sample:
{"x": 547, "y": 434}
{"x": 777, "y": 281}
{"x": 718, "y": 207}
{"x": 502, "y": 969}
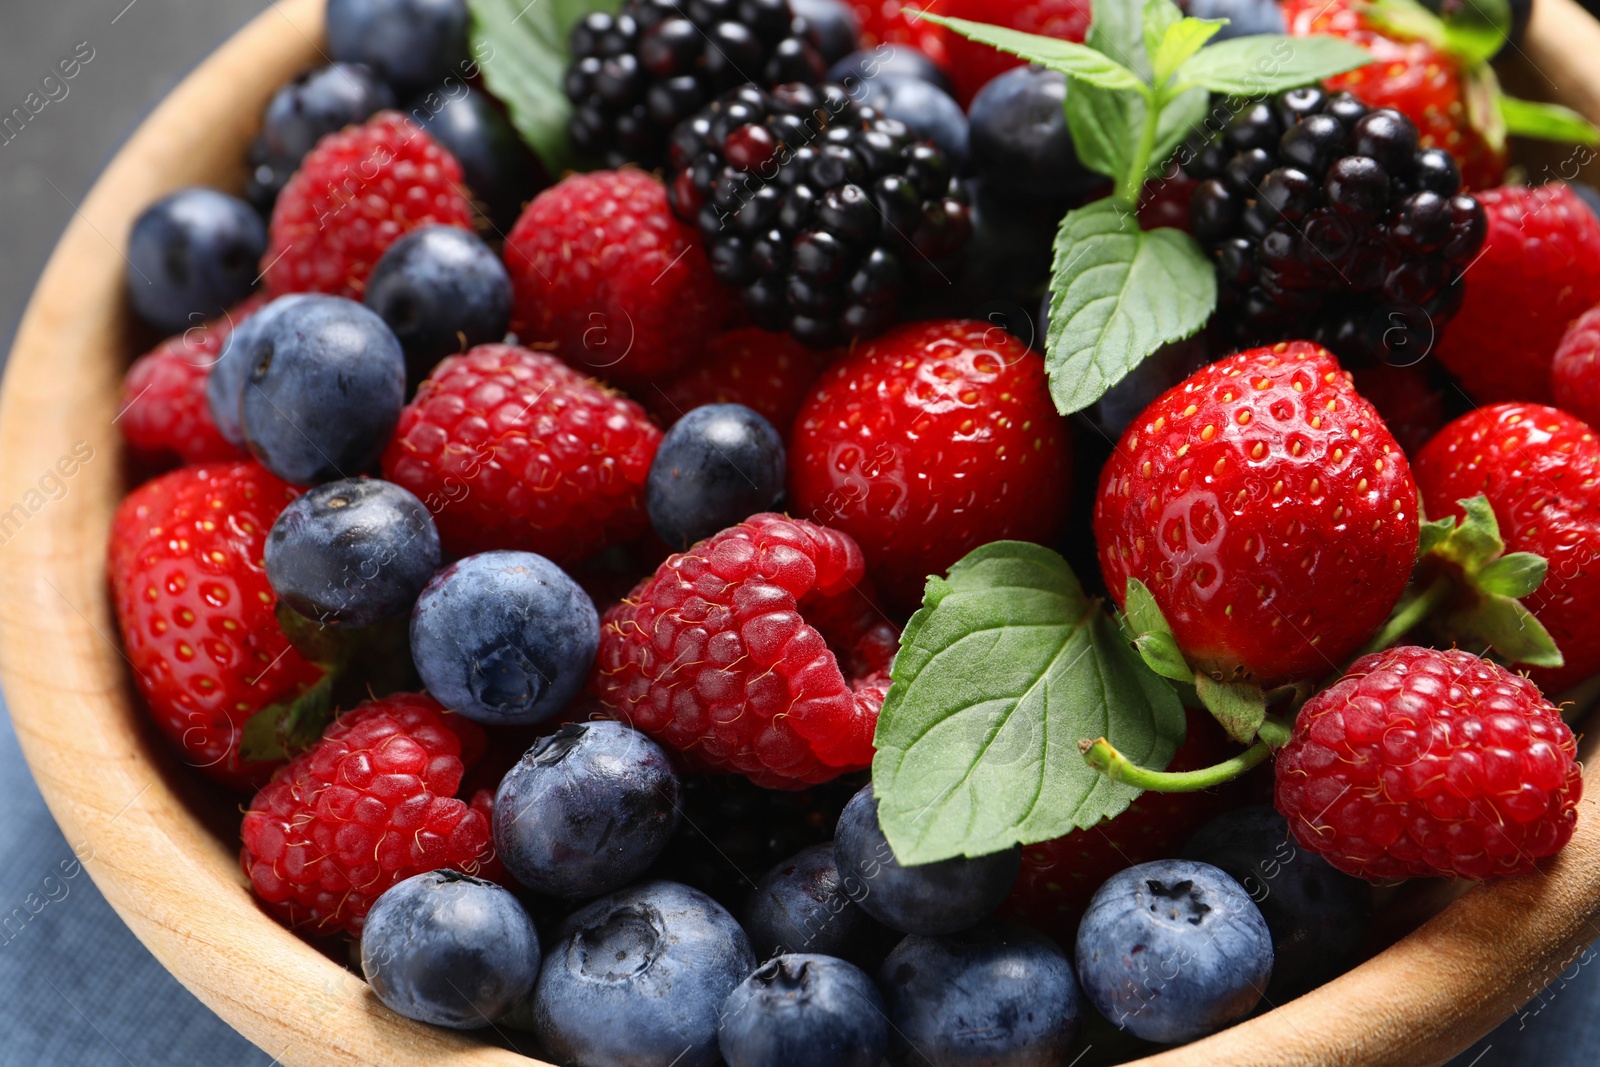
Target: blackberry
{"x": 637, "y": 74}
{"x": 1328, "y": 223}
{"x": 821, "y": 211}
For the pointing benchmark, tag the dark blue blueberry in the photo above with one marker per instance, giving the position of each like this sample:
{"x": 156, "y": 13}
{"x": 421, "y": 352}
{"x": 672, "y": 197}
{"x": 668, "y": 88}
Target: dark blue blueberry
{"x": 717, "y": 466}
{"x": 638, "y": 979}
{"x": 997, "y": 994}
{"x": 500, "y": 170}
{"x": 1319, "y": 916}
{"x": 585, "y": 810}
{"x": 410, "y": 43}
{"x": 895, "y": 60}
{"x": 250, "y": 339}
{"x": 831, "y": 27}
{"x": 448, "y": 949}
{"x": 805, "y": 1010}
{"x": 927, "y": 110}
{"x": 303, "y": 112}
{"x": 1173, "y": 950}
{"x": 352, "y": 552}
{"x": 323, "y": 384}
{"x": 441, "y": 290}
{"x": 1019, "y": 140}
{"x": 1161, "y": 370}
{"x": 192, "y": 255}
{"x": 931, "y": 898}
{"x": 801, "y": 906}
{"x": 1246, "y": 18}
{"x": 504, "y": 637}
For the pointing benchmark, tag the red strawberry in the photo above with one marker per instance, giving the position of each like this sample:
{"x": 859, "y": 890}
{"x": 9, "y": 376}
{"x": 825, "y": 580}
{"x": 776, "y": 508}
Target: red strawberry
{"x": 927, "y": 442}
{"x": 196, "y": 612}
{"x": 1269, "y": 511}
{"x": 973, "y": 64}
{"x": 892, "y": 22}
{"x": 767, "y": 372}
{"x": 1575, "y": 370}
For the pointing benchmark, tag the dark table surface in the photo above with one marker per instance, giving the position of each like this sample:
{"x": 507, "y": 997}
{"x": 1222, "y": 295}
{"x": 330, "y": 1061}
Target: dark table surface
{"x": 76, "y": 988}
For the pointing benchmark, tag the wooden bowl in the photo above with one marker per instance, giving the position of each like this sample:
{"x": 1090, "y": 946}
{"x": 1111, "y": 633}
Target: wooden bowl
{"x": 163, "y": 848}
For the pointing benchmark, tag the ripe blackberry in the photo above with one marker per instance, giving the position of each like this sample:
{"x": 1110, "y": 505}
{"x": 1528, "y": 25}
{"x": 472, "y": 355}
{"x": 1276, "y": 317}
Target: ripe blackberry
{"x": 1328, "y": 223}
{"x": 637, "y": 74}
{"x": 821, "y": 211}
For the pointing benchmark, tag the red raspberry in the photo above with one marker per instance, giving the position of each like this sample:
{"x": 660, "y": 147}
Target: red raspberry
{"x": 514, "y": 449}
{"x": 1575, "y": 371}
{"x": 1425, "y": 762}
{"x": 355, "y": 194}
{"x": 927, "y": 442}
{"x": 1269, "y": 511}
{"x": 895, "y": 22}
{"x": 973, "y": 64}
{"x": 753, "y": 652}
{"x": 164, "y": 413}
{"x": 1541, "y": 258}
{"x": 767, "y": 372}
{"x": 371, "y": 804}
{"x": 602, "y": 268}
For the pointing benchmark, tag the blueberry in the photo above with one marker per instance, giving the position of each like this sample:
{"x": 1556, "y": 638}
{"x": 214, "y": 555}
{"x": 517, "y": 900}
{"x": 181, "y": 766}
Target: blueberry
{"x": 801, "y": 906}
{"x": 303, "y": 112}
{"x": 192, "y": 255}
{"x": 1246, "y": 18}
{"x": 638, "y": 979}
{"x": 1319, "y": 917}
{"x": 352, "y": 552}
{"x": 716, "y": 466}
{"x": 886, "y": 60}
{"x": 927, "y": 110}
{"x": 500, "y": 170}
{"x": 441, "y": 290}
{"x": 805, "y": 1010}
{"x": 831, "y": 27}
{"x": 1163, "y": 369}
{"x": 931, "y": 898}
{"x": 448, "y": 949}
{"x": 585, "y": 810}
{"x": 1173, "y": 950}
{"x": 504, "y": 637}
{"x": 999, "y": 993}
{"x": 1019, "y": 140}
{"x": 322, "y": 381}
{"x": 226, "y": 380}
{"x": 410, "y": 43}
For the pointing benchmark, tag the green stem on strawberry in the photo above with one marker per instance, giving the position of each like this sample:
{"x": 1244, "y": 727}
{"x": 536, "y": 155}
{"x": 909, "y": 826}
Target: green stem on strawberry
{"x": 1408, "y": 615}
{"x": 1104, "y": 757}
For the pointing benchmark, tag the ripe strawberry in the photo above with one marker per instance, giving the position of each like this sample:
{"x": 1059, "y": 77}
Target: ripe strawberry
{"x": 1269, "y": 511}
{"x": 1575, "y": 370}
{"x": 1425, "y": 762}
{"x": 514, "y": 449}
{"x": 972, "y": 64}
{"x": 767, "y": 372}
{"x": 927, "y": 442}
{"x": 1541, "y": 257}
{"x": 355, "y": 194}
{"x": 196, "y": 612}
{"x": 892, "y": 22}
{"x": 1540, "y": 469}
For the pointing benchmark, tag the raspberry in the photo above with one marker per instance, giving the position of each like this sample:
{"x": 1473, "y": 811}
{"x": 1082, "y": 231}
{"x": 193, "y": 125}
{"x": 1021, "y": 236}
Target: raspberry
{"x": 755, "y": 652}
{"x": 895, "y": 22}
{"x": 355, "y": 194}
{"x": 1425, "y": 762}
{"x": 972, "y": 64}
{"x": 766, "y": 372}
{"x": 371, "y": 804}
{"x": 1575, "y": 371}
{"x": 514, "y": 449}
{"x": 600, "y": 267}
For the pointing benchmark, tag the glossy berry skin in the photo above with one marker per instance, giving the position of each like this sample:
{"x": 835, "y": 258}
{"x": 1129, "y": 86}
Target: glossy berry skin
{"x": 640, "y": 977}
{"x": 1539, "y": 468}
{"x": 831, "y": 27}
{"x": 1246, "y": 18}
{"x": 352, "y": 552}
{"x": 1019, "y": 139}
{"x": 755, "y": 653}
{"x": 930, "y": 898}
{"x": 804, "y": 1010}
{"x": 1542, "y": 257}
{"x": 927, "y": 442}
{"x": 862, "y": 67}
{"x": 1173, "y": 950}
{"x": 191, "y": 256}
{"x": 716, "y": 467}
{"x": 974, "y": 65}
{"x": 501, "y": 172}
{"x": 316, "y": 103}
{"x": 767, "y": 372}
{"x": 196, "y": 612}
{"x": 927, "y": 110}
{"x": 442, "y": 291}
{"x": 1575, "y": 370}
{"x": 504, "y": 637}
{"x": 585, "y": 810}
{"x": 410, "y": 43}
{"x": 241, "y": 348}
{"x": 355, "y": 194}
{"x": 601, "y": 268}
{"x": 886, "y": 24}
{"x": 449, "y": 949}
{"x": 1267, "y": 509}
{"x": 801, "y": 906}
{"x": 511, "y": 448}
{"x": 368, "y": 806}
{"x": 1425, "y": 762}
{"x": 998, "y": 993}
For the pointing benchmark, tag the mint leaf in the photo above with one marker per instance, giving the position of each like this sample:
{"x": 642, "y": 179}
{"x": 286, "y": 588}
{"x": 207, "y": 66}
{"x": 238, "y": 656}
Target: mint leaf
{"x": 1546, "y": 122}
{"x": 1116, "y": 28}
{"x": 1181, "y": 40}
{"x": 1077, "y": 61}
{"x": 1102, "y": 122}
{"x": 1156, "y": 19}
{"x": 1180, "y": 115}
{"x": 1239, "y": 706}
{"x": 1256, "y": 66}
{"x": 1005, "y": 668}
{"x": 1119, "y": 294}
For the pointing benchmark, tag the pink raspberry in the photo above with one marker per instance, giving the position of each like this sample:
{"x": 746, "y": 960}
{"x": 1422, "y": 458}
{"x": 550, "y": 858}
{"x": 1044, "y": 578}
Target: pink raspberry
{"x": 1575, "y": 371}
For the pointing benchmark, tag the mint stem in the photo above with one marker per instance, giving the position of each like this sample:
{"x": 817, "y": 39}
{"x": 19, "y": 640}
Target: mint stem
{"x": 1408, "y": 615}
{"x": 1132, "y": 183}
{"x": 1103, "y": 757}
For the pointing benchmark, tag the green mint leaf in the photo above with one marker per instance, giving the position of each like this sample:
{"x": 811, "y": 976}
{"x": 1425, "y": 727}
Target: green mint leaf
{"x": 1239, "y": 706}
{"x": 1116, "y": 28}
{"x": 1546, "y": 122}
{"x": 1004, "y": 669}
{"x": 1256, "y": 66}
{"x": 1181, "y": 40}
{"x": 522, "y": 50}
{"x": 1515, "y": 574}
{"x": 1180, "y": 115}
{"x": 1077, "y": 61}
{"x": 1103, "y": 124}
{"x": 1119, "y": 293}
{"x": 1156, "y": 18}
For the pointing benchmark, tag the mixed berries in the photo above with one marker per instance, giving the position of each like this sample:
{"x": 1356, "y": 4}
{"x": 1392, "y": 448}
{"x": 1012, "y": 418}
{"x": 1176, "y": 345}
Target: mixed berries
{"x": 548, "y": 565}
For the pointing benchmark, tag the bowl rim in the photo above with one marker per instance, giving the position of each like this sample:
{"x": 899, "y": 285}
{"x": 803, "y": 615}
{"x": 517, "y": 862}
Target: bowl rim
{"x": 124, "y": 801}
